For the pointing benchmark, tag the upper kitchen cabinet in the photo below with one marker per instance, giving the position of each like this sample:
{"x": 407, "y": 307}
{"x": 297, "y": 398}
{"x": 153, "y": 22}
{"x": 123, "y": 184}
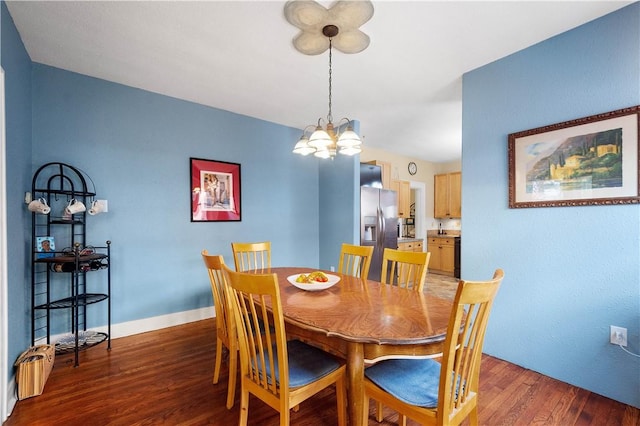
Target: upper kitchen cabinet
{"x": 386, "y": 172}
{"x": 448, "y": 196}
{"x": 403, "y": 188}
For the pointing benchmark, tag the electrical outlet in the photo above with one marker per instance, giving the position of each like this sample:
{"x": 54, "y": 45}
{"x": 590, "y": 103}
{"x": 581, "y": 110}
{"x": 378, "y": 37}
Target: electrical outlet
{"x": 618, "y": 336}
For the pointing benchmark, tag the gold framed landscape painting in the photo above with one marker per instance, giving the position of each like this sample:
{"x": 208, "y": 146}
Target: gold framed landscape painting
{"x": 587, "y": 161}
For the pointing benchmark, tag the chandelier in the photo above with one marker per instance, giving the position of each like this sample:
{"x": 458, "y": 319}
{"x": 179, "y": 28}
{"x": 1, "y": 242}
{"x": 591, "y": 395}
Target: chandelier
{"x": 319, "y": 31}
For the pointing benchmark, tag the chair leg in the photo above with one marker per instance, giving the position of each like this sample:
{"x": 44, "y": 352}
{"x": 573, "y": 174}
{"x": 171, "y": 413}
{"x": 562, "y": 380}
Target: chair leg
{"x": 341, "y": 396}
{"x": 365, "y": 407}
{"x": 244, "y": 407}
{"x": 216, "y": 370}
{"x": 233, "y": 374}
{"x": 402, "y": 420}
{"x": 285, "y": 417}
{"x": 473, "y": 416}
{"x": 379, "y": 415}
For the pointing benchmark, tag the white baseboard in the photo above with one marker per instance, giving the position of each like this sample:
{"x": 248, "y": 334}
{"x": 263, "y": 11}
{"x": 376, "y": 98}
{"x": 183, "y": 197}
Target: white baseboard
{"x": 129, "y": 329}
{"x": 12, "y": 395}
{"x": 156, "y": 323}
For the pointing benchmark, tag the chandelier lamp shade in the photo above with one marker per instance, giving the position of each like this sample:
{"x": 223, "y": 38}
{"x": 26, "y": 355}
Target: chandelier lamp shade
{"x": 320, "y": 27}
{"x": 325, "y": 143}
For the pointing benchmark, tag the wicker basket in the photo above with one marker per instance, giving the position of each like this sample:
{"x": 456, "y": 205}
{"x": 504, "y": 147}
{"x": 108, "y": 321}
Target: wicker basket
{"x": 34, "y": 366}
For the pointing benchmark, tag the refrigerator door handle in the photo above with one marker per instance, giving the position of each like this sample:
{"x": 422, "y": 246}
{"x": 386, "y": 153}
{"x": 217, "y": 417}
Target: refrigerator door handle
{"x": 381, "y": 221}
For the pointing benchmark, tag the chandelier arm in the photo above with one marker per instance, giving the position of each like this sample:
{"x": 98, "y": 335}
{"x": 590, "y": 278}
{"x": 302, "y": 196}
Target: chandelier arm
{"x": 310, "y": 126}
{"x": 343, "y": 120}
{"x": 348, "y": 120}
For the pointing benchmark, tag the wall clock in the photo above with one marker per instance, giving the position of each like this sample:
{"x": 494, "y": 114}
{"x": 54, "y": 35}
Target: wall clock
{"x": 413, "y": 168}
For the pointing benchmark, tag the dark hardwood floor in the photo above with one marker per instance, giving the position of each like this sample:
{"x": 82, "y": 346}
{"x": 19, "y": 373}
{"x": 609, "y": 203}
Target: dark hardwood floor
{"x": 164, "y": 377}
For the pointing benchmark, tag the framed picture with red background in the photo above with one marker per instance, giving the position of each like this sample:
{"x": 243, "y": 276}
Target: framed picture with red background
{"x": 215, "y": 191}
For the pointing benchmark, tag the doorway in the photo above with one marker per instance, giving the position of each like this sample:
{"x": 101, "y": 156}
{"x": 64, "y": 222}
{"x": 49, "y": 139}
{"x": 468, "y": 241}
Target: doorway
{"x": 418, "y": 194}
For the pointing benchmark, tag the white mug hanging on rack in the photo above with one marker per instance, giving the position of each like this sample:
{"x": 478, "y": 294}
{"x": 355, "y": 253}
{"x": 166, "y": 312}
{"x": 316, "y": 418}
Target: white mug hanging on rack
{"x": 39, "y": 206}
{"x": 97, "y": 206}
{"x": 75, "y": 206}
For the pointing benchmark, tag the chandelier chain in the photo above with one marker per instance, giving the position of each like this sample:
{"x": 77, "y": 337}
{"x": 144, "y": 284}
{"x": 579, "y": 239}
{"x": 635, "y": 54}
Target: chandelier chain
{"x": 329, "y": 116}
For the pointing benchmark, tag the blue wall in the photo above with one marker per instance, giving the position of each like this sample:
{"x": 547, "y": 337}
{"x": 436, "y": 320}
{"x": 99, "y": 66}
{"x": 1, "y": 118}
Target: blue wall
{"x": 570, "y": 272}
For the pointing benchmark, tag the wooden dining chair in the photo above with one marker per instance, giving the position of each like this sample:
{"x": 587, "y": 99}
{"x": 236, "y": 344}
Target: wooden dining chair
{"x": 407, "y": 269}
{"x": 250, "y": 256}
{"x": 225, "y": 326}
{"x": 280, "y": 373}
{"x": 355, "y": 260}
{"x": 446, "y": 393}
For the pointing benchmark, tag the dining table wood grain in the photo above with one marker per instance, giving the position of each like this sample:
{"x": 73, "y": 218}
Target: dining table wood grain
{"x": 362, "y": 322}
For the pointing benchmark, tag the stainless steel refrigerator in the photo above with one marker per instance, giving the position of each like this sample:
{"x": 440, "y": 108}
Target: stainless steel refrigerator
{"x": 378, "y": 224}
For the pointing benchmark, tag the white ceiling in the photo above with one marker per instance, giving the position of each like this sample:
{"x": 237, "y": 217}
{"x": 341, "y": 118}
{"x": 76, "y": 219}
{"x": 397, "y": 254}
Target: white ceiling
{"x": 405, "y": 88}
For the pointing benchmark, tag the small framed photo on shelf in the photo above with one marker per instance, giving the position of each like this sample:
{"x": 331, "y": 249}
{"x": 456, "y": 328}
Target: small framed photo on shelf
{"x": 46, "y": 247}
{"x": 215, "y": 191}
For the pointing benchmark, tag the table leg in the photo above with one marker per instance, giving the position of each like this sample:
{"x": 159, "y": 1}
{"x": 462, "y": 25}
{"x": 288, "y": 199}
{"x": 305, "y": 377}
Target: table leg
{"x": 355, "y": 384}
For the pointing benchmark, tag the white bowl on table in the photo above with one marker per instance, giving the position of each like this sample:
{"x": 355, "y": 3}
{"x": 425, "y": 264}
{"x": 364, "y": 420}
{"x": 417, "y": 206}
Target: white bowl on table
{"x": 316, "y": 285}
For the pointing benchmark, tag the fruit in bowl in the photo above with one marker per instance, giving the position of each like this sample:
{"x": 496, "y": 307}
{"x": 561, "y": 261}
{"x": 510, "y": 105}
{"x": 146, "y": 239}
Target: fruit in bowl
{"x": 312, "y": 278}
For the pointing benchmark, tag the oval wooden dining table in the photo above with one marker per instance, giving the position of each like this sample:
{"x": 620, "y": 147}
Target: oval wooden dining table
{"x": 363, "y": 321}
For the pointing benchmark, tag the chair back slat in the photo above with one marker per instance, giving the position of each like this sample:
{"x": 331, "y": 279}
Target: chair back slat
{"x": 252, "y": 256}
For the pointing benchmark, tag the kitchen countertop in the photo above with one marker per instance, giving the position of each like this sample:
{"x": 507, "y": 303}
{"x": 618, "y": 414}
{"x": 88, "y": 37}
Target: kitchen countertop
{"x": 409, "y": 239}
{"x": 449, "y": 233}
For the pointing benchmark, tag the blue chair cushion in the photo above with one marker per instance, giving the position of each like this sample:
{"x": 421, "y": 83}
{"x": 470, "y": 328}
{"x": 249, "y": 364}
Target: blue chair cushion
{"x": 413, "y": 381}
{"x": 306, "y": 364}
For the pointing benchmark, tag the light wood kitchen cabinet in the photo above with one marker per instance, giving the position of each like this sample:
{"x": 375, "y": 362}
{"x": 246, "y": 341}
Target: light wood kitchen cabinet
{"x": 442, "y": 255}
{"x": 386, "y": 172}
{"x": 410, "y": 246}
{"x": 402, "y": 187}
{"x": 447, "y": 196}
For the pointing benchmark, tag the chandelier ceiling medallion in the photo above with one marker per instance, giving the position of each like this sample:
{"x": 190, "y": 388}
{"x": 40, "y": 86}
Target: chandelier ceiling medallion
{"x": 322, "y": 29}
